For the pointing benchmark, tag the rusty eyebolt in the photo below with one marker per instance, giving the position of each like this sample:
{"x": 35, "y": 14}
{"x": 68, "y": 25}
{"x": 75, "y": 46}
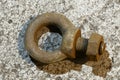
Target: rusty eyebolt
{"x": 71, "y": 42}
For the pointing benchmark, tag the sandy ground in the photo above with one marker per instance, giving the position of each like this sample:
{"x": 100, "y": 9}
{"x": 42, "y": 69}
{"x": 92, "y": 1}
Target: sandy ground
{"x": 101, "y": 16}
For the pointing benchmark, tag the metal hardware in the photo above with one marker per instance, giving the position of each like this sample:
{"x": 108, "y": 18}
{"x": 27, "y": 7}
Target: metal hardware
{"x": 71, "y": 41}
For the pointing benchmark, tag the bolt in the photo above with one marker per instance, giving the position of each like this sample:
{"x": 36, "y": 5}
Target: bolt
{"x": 81, "y": 46}
{"x": 92, "y": 48}
{"x": 71, "y": 42}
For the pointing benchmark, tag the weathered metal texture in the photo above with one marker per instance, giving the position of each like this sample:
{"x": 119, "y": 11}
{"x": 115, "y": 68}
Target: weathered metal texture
{"x": 81, "y": 45}
{"x": 54, "y": 23}
{"x": 71, "y": 42}
{"x": 68, "y": 46}
{"x": 95, "y": 47}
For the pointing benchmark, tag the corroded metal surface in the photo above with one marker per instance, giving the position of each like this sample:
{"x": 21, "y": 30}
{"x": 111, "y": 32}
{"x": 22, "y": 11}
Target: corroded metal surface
{"x": 47, "y": 22}
{"x": 54, "y": 23}
{"x": 92, "y": 47}
{"x": 95, "y": 46}
{"x": 71, "y": 41}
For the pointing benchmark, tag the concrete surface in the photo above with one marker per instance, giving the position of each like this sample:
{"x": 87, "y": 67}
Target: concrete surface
{"x": 101, "y": 16}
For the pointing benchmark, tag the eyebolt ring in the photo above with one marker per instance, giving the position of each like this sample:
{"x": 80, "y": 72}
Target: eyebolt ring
{"x": 39, "y": 26}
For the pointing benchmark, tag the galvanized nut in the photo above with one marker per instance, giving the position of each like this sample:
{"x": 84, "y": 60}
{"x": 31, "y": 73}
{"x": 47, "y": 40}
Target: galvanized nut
{"x": 54, "y": 23}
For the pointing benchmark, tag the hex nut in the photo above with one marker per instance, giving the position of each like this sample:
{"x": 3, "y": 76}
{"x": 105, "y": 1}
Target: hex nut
{"x": 95, "y": 47}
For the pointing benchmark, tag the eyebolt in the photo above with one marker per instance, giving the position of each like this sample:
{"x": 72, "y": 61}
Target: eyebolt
{"x": 49, "y": 22}
{"x": 71, "y": 41}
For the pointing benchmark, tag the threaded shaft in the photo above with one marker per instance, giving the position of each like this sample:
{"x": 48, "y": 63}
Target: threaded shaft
{"x": 81, "y": 46}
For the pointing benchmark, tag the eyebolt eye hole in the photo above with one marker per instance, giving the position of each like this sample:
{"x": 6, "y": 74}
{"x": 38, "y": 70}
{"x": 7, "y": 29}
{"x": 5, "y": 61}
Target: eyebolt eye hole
{"x": 50, "y": 41}
{"x": 54, "y": 28}
{"x": 49, "y": 37}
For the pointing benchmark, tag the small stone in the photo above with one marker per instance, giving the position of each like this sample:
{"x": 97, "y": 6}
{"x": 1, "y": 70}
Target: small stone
{"x": 72, "y": 79}
{"x": 47, "y": 79}
{"x": 58, "y": 78}
{"x": 116, "y": 27}
{"x": 86, "y": 69}
{"x": 1, "y": 41}
{"x": 10, "y": 21}
{"x": 14, "y": 70}
{"x": 1, "y": 32}
{"x": 48, "y": 75}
